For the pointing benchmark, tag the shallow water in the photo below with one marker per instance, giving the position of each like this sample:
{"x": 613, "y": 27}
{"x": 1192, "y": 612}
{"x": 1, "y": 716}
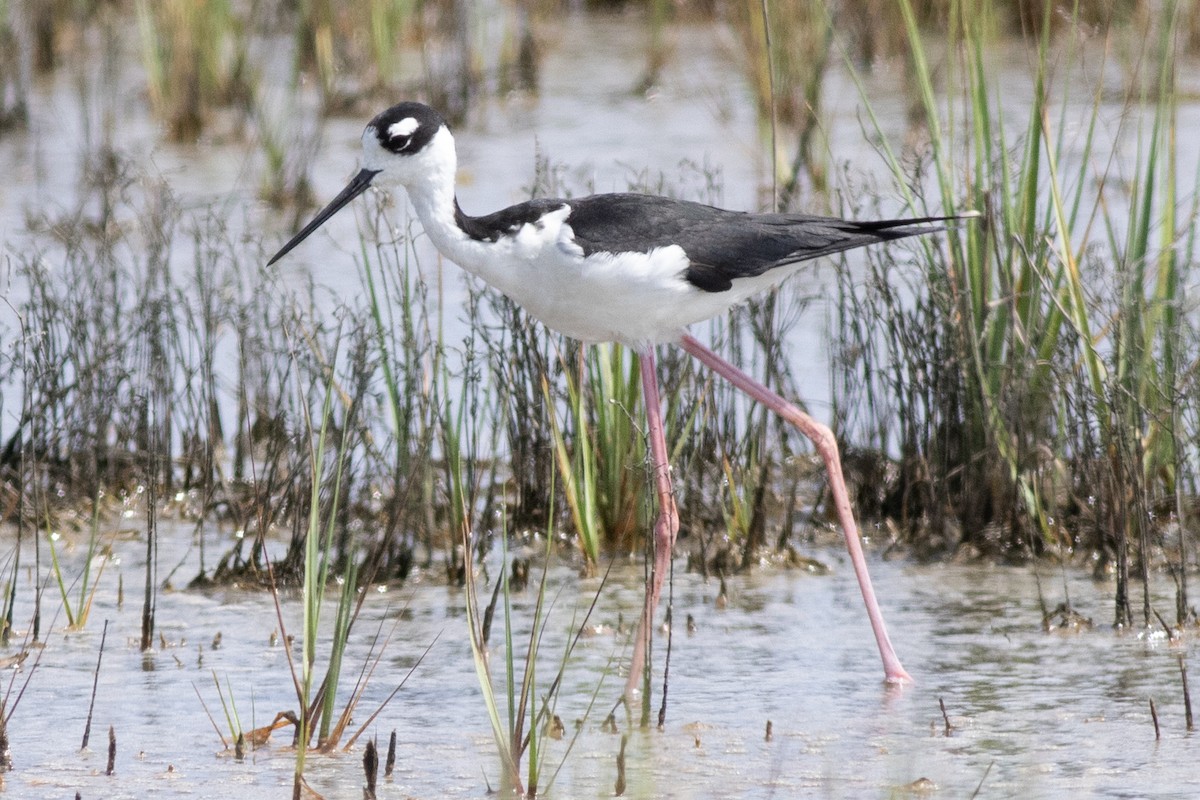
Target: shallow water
{"x": 1034, "y": 714}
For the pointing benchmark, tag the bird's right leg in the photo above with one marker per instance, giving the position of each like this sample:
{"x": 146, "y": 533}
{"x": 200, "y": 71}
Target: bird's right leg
{"x": 665, "y": 527}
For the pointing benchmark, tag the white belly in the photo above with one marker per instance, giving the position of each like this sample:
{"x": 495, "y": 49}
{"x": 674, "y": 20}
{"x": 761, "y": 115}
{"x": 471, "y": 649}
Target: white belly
{"x": 633, "y": 298}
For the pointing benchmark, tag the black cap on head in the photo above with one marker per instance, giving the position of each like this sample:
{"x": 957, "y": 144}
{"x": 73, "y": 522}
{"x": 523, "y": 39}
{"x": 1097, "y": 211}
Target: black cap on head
{"x": 406, "y": 128}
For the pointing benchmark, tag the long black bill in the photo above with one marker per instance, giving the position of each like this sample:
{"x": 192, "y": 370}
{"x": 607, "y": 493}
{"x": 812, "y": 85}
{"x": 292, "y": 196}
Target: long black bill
{"x": 357, "y": 186}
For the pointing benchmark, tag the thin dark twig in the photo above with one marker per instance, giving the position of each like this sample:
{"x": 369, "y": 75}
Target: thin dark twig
{"x": 211, "y": 720}
{"x": 283, "y": 634}
{"x": 149, "y": 600}
{"x": 388, "y": 699}
{"x": 945, "y": 717}
{"x": 982, "y": 778}
{"x": 1167, "y": 628}
{"x": 619, "y": 786}
{"x": 662, "y": 709}
{"x": 87, "y": 728}
{"x": 112, "y": 751}
{"x": 7, "y": 709}
{"x": 1187, "y": 696}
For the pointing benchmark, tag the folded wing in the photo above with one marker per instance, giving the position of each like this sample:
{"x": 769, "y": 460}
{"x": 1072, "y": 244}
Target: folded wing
{"x": 722, "y": 245}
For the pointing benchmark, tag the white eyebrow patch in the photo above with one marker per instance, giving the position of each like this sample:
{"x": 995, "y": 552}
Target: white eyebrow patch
{"x": 404, "y": 127}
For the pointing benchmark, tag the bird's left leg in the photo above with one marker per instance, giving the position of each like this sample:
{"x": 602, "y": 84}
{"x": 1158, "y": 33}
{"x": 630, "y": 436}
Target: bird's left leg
{"x": 826, "y": 445}
{"x": 665, "y": 527}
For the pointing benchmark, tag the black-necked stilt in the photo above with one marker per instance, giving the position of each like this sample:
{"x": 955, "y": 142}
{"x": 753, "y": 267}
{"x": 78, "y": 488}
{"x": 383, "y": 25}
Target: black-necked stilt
{"x": 629, "y": 268}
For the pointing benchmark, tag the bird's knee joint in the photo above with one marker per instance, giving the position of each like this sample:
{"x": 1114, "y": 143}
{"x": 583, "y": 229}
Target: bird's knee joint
{"x": 825, "y": 440}
{"x": 827, "y": 447}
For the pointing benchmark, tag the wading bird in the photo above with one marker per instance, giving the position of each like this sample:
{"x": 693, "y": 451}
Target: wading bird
{"x": 629, "y": 268}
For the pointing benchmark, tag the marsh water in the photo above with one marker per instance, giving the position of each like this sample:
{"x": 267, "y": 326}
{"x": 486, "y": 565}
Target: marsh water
{"x": 1030, "y": 713}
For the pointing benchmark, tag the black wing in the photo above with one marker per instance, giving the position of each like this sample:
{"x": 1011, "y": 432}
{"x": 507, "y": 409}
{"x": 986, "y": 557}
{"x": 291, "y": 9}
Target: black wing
{"x": 721, "y": 245}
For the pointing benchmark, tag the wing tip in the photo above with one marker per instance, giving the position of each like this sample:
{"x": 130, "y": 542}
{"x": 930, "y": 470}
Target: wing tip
{"x": 889, "y": 224}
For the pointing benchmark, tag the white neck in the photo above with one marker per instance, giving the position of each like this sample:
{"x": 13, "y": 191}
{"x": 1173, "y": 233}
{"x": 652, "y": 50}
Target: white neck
{"x": 429, "y": 178}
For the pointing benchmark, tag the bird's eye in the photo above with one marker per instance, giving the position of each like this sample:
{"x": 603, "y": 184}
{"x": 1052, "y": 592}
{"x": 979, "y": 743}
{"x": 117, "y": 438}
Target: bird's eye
{"x": 400, "y": 134}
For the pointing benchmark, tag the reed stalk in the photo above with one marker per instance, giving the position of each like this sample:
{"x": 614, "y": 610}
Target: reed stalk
{"x": 79, "y": 609}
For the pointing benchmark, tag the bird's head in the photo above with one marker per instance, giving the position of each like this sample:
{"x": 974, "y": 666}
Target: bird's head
{"x": 406, "y": 145}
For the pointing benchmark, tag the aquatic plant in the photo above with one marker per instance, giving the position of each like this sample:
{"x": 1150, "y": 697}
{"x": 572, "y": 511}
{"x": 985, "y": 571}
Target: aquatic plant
{"x": 787, "y": 46}
{"x": 387, "y": 21}
{"x": 78, "y": 611}
{"x": 194, "y": 55}
{"x": 604, "y": 493}
{"x": 331, "y": 557}
{"x": 406, "y": 344}
{"x": 288, "y": 154}
{"x": 1034, "y": 397}
{"x": 1029, "y": 408}
{"x": 522, "y": 715}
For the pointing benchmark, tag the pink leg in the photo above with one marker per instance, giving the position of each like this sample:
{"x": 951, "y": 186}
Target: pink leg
{"x": 665, "y": 528}
{"x": 826, "y": 444}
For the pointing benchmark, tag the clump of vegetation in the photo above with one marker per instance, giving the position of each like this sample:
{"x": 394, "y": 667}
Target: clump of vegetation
{"x": 1037, "y": 377}
{"x": 522, "y": 713}
{"x": 1005, "y": 384}
{"x": 194, "y": 54}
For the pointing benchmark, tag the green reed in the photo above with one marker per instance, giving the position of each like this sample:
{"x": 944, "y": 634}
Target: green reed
{"x": 387, "y": 21}
{"x": 1010, "y": 375}
{"x": 522, "y": 712}
{"x": 332, "y": 557}
{"x": 317, "y": 561}
{"x": 409, "y": 350}
{"x": 604, "y": 492}
{"x": 85, "y": 583}
{"x": 1025, "y": 366}
{"x": 233, "y": 720}
{"x": 194, "y": 56}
